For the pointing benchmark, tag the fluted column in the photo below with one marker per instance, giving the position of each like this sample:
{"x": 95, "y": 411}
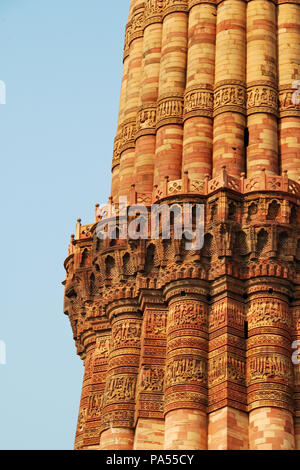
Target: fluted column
{"x": 228, "y": 422}
{"x": 198, "y": 103}
{"x": 146, "y": 119}
{"x": 96, "y": 392}
{"x": 119, "y": 397}
{"x": 289, "y": 73}
{"x": 296, "y": 366}
{"x": 84, "y": 401}
{"x": 230, "y": 81}
{"x": 150, "y": 425}
{"x": 269, "y": 368}
{"x": 186, "y": 368}
{"x": 169, "y": 138}
{"x": 262, "y": 103}
{"x": 115, "y": 185}
{"x": 133, "y": 47}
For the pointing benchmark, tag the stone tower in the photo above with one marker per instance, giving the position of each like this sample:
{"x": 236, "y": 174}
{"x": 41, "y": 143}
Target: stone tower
{"x": 193, "y": 349}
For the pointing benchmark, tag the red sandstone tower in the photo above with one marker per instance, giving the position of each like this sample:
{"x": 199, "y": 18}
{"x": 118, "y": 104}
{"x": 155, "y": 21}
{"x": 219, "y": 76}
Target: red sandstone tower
{"x": 193, "y": 349}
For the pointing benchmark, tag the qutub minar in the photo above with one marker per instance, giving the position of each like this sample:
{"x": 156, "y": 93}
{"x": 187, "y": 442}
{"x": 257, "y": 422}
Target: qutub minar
{"x": 193, "y": 349}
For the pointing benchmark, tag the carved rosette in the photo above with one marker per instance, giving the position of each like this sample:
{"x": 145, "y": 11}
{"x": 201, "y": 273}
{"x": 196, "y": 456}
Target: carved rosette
{"x": 262, "y": 98}
{"x": 124, "y": 356}
{"x": 187, "y": 349}
{"x": 269, "y": 366}
{"x": 146, "y": 121}
{"x": 173, "y": 6}
{"x": 286, "y": 105}
{"x": 169, "y": 111}
{"x": 198, "y": 102}
{"x": 230, "y": 96}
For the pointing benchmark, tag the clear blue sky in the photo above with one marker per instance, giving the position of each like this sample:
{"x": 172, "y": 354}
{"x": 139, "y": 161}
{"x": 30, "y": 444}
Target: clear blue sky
{"x": 61, "y": 61}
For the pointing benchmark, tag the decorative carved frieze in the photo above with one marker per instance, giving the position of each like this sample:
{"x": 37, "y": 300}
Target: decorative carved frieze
{"x": 269, "y": 312}
{"x": 262, "y": 99}
{"x": 169, "y": 111}
{"x": 186, "y": 371}
{"x": 134, "y": 30}
{"x": 95, "y": 404}
{"x": 269, "y": 367}
{"x": 156, "y": 324}
{"x": 127, "y": 136}
{"x": 153, "y": 12}
{"x": 226, "y": 312}
{"x": 226, "y": 367}
{"x": 230, "y": 97}
{"x": 287, "y": 106}
{"x": 146, "y": 121}
{"x": 126, "y": 333}
{"x": 120, "y": 388}
{"x": 117, "y": 151}
{"x": 102, "y": 347}
{"x": 188, "y": 314}
{"x": 117, "y": 418}
{"x": 198, "y": 102}
{"x": 152, "y": 379}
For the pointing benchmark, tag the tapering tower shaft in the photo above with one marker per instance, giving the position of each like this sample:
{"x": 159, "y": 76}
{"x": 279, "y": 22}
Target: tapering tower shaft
{"x": 195, "y": 348}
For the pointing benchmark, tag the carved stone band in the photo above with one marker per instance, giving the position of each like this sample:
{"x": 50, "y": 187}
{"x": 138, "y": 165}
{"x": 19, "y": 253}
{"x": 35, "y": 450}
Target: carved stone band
{"x": 262, "y": 99}
{"x": 287, "y": 106}
{"x": 175, "y": 6}
{"x": 198, "y": 102}
{"x": 169, "y": 111}
{"x": 153, "y": 12}
{"x": 134, "y": 30}
{"x": 128, "y": 136}
{"x": 146, "y": 121}
{"x": 117, "y": 151}
{"x": 230, "y": 97}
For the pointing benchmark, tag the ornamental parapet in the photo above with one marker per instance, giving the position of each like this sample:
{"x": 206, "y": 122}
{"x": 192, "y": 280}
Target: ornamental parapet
{"x": 206, "y": 186}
